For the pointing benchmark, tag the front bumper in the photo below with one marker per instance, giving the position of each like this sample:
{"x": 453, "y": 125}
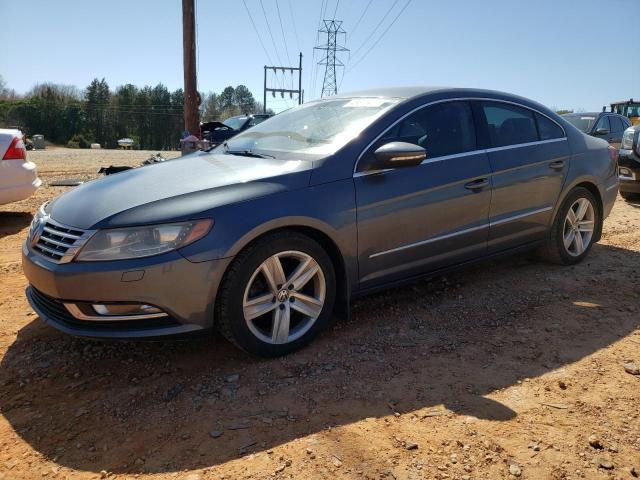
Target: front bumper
{"x": 185, "y": 290}
{"x": 629, "y": 163}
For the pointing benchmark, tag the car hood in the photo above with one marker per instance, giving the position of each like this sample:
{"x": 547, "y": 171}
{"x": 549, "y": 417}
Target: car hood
{"x": 175, "y": 190}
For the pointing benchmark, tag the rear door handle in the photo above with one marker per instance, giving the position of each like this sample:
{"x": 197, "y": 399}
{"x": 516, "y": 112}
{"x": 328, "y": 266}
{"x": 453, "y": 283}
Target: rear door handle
{"x": 477, "y": 184}
{"x": 559, "y": 165}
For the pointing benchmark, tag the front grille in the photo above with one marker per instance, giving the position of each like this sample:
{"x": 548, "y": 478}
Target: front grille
{"x": 58, "y": 242}
{"x": 55, "y": 310}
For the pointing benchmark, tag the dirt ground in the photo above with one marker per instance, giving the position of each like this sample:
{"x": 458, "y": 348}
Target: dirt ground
{"x": 512, "y": 368}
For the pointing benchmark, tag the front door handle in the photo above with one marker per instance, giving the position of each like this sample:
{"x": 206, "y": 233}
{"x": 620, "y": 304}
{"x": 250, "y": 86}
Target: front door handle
{"x": 477, "y": 184}
{"x": 559, "y": 165}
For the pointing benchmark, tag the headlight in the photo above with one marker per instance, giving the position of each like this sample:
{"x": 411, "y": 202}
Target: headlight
{"x": 627, "y": 139}
{"x": 145, "y": 241}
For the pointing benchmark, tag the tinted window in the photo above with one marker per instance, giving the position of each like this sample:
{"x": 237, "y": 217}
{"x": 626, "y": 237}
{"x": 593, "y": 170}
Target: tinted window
{"x": 548, "y": 129}
{"x": 616, "y": 124}
{"x": 441, "y": 129}
{"x": 603, "y": 122}
{"x": 509, "y": 125}
{"x": 581, "y": 122}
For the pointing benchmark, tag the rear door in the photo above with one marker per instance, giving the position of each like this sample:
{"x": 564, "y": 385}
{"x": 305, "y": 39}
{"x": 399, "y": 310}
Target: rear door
{"x": 417, "y": 219}
{"x": 529, "y": 156}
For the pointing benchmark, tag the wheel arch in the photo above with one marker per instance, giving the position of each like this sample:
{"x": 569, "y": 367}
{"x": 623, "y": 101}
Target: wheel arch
{"x": 592, "y": 186}
{"x": 322, "y": 237}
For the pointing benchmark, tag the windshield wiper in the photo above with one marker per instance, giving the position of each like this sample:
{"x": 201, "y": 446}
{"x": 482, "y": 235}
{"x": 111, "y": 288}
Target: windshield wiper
{"x": 244, "y": 153}
{"x": 248, "y": 153}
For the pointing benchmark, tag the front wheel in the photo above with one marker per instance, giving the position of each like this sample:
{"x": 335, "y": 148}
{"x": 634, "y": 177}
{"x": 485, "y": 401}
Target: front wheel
{"x": 578, "y": 222}
{"x": 277, "y": 295}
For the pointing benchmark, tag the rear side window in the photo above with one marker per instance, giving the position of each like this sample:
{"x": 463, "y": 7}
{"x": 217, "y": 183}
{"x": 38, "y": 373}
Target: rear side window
{"x": 548, "y": 129}
{"x": 616, "y": 124}
{"x": 441, "y": 129}
{"x": 509, "y": 125}
{"x": 603, "y": 122}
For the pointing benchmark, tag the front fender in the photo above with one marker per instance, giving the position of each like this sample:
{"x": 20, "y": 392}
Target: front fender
{"x": 328, "y": 208}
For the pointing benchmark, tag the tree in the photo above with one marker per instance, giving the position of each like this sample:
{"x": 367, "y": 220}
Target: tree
{"x": 243, "y": 99}
{"x": 97, "y": 103}
{"x": 211, "y": 107}
{"x": 226, "y": 99}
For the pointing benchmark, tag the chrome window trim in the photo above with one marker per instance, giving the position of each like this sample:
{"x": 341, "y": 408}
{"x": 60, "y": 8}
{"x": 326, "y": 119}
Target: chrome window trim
{"x": 77, "y": 313}
{"x": 461, "y": 232}
{"x": 459, "y": 99}
{"x": 467, "y": 154}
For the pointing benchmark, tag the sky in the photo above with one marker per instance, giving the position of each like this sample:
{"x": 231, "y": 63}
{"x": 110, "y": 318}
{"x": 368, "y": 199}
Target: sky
{"x": 574, "y": 54}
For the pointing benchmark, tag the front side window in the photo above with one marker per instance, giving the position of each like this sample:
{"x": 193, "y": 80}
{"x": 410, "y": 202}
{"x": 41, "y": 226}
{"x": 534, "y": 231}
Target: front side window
{"x": 317, "y": 128}
{"x": 548, "y": 129}
{"x": 616, "y": 124}
{"x": 441, "y": 129}
{"x": 509, "y": 124}
{"x": 603, "y": 122}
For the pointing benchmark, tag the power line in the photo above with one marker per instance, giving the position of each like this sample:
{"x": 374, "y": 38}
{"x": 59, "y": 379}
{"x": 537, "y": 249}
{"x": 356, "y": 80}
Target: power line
{"x": 376, "y": 28}
{"x": 270, "y": 33}
{"x": 255, "y": 29}
{"x": 295, "y": 29}
{"x": 284, "y": 39}
{"x": 381, "y": 36}
{"x": 361, "y": 17}
{"x": 335, "y": 11}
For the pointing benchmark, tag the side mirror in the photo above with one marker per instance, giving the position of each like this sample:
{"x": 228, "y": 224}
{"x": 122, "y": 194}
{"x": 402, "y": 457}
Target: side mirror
{"x": 601, "y": 131}
{"x": 398, "y": 155}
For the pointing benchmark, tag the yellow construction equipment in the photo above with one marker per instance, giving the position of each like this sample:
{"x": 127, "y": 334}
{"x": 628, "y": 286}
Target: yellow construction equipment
{"x": 629, "y": 109}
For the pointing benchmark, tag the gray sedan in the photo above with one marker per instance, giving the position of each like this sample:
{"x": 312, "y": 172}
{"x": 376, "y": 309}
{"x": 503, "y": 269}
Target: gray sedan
{"x": 272, "y": 233}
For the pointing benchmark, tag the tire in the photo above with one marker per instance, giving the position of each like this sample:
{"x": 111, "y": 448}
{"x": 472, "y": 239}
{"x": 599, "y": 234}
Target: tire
{"x": 628, "y": 196}
{"x": 554, "y": 249}
{"x": 247, "y": 290}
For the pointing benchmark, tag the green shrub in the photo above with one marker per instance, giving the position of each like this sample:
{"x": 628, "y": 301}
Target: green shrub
{"x": 78, "y": 141}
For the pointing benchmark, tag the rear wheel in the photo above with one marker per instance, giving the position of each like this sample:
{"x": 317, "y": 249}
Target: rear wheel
{"x": 277, "y": 295}
{"x": 577, "y": 223}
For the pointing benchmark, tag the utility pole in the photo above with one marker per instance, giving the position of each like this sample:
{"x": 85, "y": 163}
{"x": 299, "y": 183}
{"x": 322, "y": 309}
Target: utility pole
{"x": 282, "y": 91}
{"x": 333, "y": 28}
{"x": 191, "y": 114}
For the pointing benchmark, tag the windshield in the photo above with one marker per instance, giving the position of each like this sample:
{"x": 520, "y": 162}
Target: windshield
{"x": 631, "y": 110}
{"x": 315, "y": 128}
{"x": 581, "y": 122}
{"x": 235, "y": 122}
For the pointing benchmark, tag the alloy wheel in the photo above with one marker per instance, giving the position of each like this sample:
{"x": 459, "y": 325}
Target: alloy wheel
{"x": 284, "y": 297}
{"x": 578, "y": 227}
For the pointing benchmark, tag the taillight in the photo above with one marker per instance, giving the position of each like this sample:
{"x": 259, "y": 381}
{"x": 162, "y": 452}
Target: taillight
{"x": 613, "y": 153}
{"x": 16, "y": 150}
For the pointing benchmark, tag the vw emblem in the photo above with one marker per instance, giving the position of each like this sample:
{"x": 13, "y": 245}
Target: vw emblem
{"x": 283, "y": 295}
{"x": 36, "y": 229}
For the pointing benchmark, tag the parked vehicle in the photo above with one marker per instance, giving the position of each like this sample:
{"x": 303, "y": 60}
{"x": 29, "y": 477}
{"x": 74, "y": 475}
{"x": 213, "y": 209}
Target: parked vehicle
{"x": 608, "y": 126}
{"x": 218, "y": 132}
{"x": 628, "y": 108}
{"x": 629, "y": 164}
{"x": 18, "y": 176}
{"x": 267, "y": 236}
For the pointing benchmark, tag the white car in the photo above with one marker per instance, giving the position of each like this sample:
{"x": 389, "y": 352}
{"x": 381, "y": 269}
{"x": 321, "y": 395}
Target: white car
{"x": 18, "y": 176}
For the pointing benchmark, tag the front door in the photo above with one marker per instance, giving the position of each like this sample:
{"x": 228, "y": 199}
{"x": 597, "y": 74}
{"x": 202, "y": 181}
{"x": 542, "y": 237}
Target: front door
{"x": 417, "y": 219}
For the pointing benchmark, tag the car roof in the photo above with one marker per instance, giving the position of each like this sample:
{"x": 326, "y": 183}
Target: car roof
{"x": 583, "y": 114}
